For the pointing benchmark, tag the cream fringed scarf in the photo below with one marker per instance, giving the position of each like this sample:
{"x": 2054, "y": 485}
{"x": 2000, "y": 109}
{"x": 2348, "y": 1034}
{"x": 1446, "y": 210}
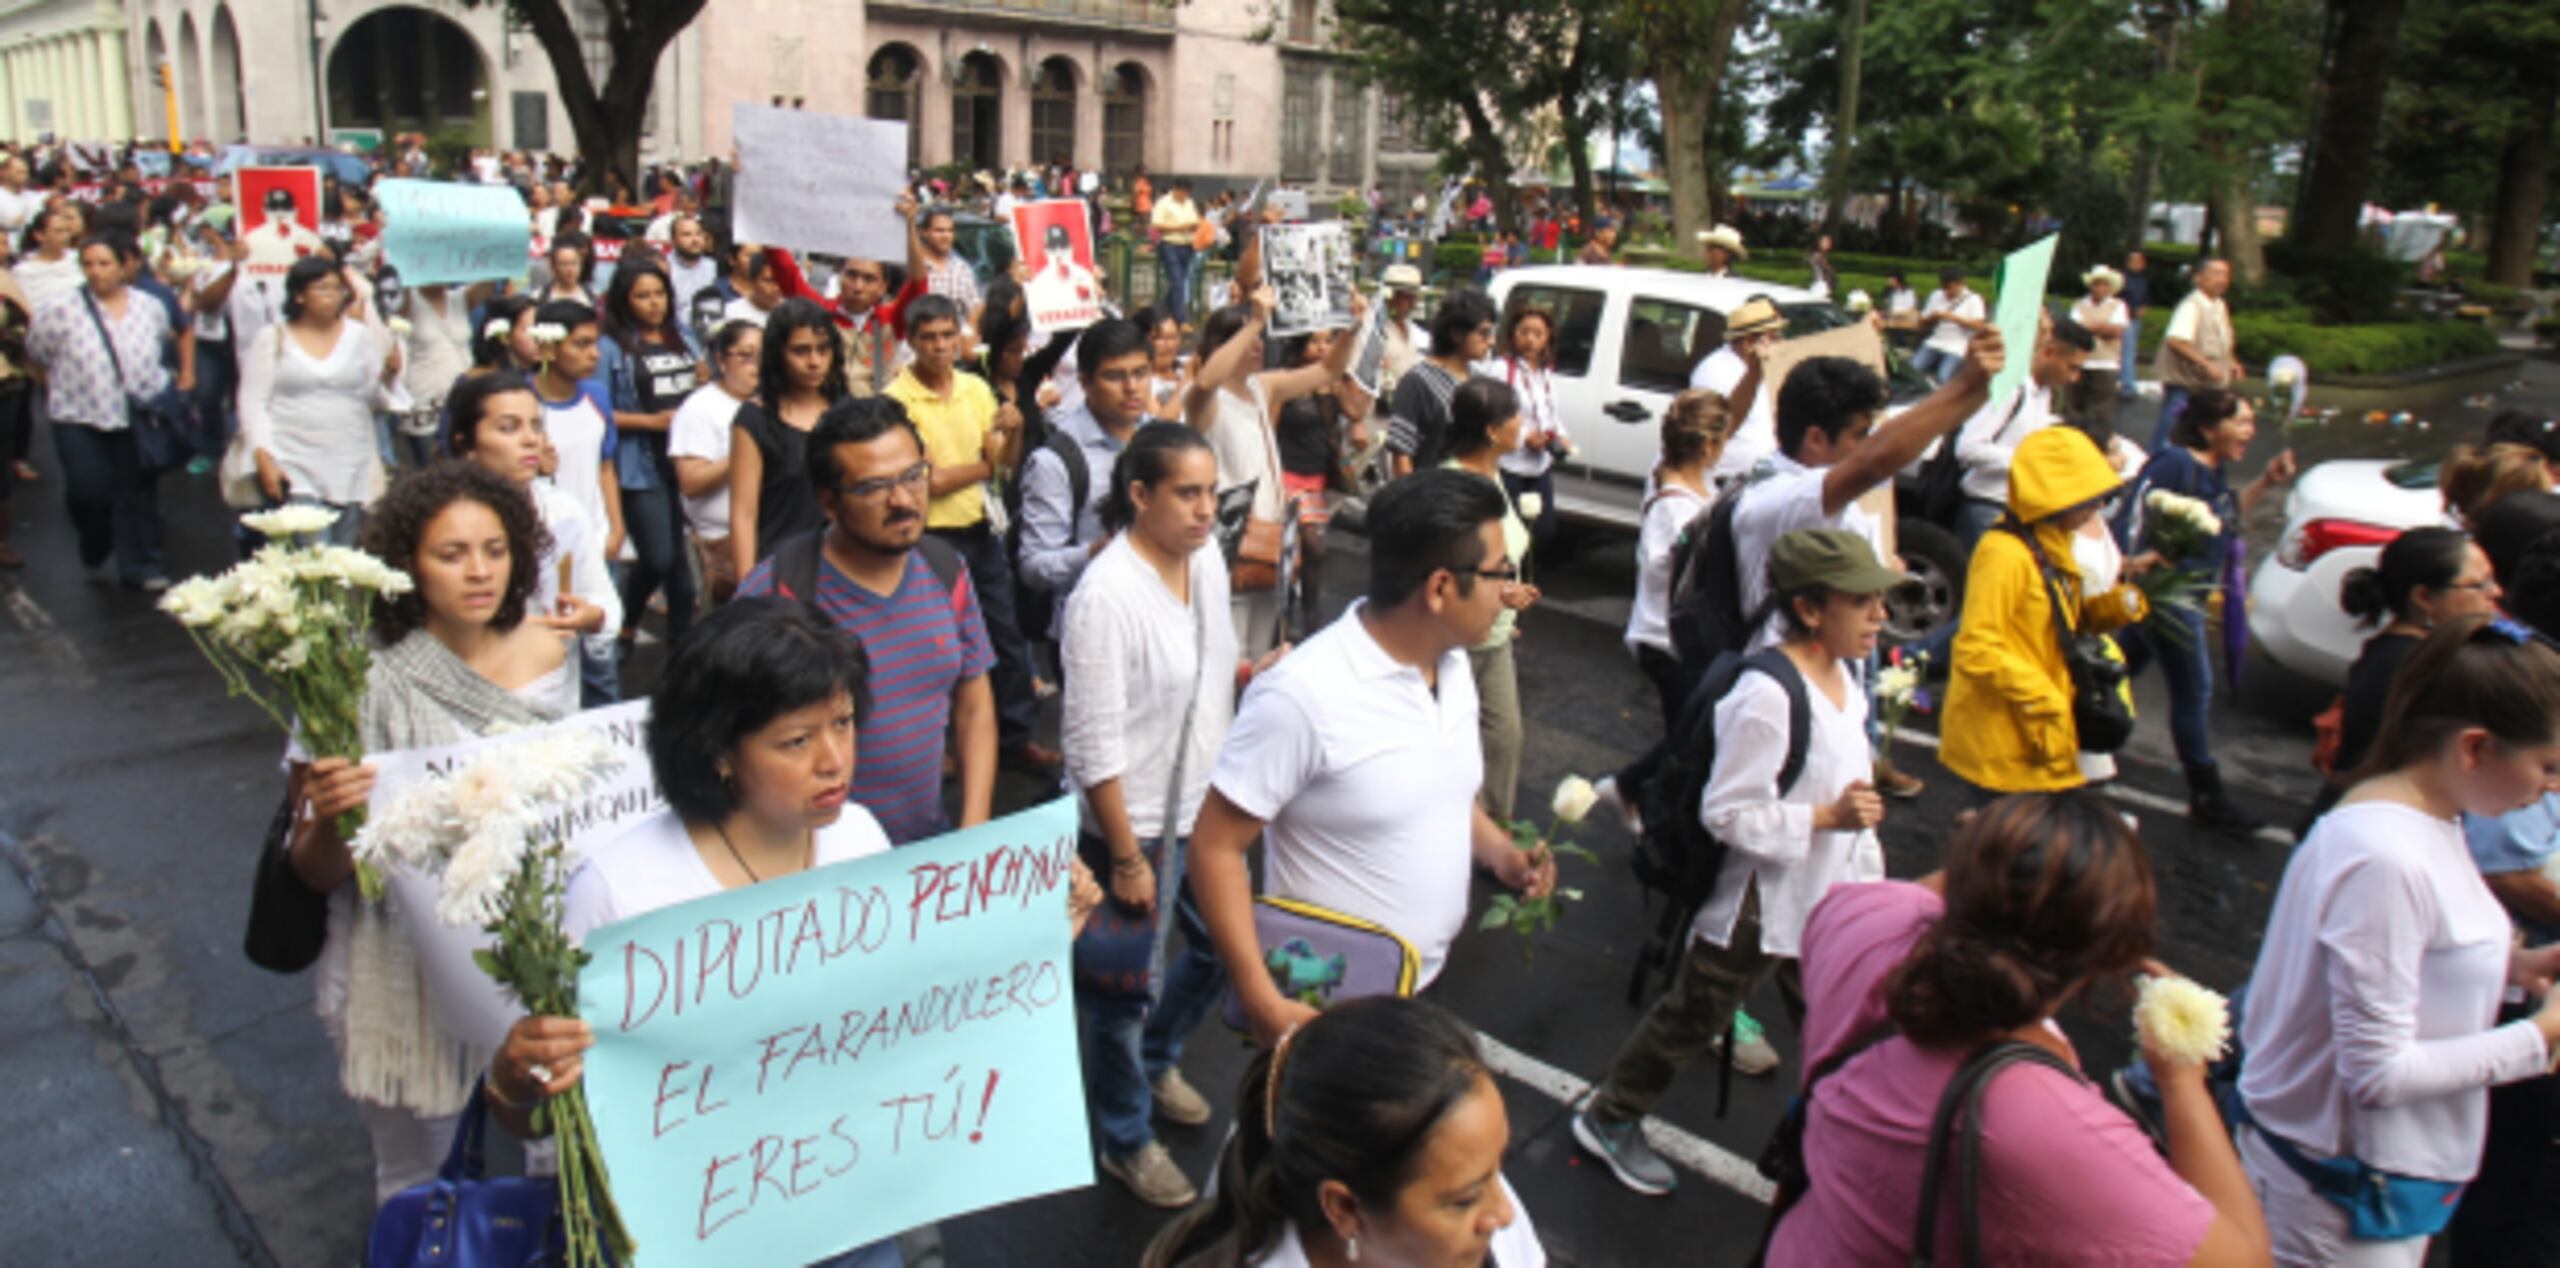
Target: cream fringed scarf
{"x": 419, "y": 694}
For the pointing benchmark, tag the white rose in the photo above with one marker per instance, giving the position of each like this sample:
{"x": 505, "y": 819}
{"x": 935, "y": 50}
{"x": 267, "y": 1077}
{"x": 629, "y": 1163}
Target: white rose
{"x": 1530, "y": 505}
{"x": 1574, "y": 798}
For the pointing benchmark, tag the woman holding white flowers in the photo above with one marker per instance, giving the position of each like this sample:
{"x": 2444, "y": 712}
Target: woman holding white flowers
{"x": 2045, "y": 898}
{"x": 307, "y": 392}
{"x": 1793, "y": 834}
{"x": 458, "y": 660}
{"x": 2212, "y": 435}
{"x": 2370, "y": 1035}
{"x": 1484, "y": 424}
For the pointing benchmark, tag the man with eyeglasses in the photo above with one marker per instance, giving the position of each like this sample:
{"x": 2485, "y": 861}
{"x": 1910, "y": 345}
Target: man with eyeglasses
{"x": 910, "y": 599}
{"x": 1355, "y": 758}
{"x": 1065, "y": 481}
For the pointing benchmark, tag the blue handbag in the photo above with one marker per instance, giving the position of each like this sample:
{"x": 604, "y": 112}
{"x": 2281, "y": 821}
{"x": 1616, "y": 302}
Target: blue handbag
{"x": 461, "y": 1219}
{"x": 2381, "y": 1206}
{"x": 166, "y": 431}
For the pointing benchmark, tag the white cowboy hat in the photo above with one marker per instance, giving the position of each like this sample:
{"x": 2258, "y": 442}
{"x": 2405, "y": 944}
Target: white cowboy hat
{"x": 2101, "y": 273}
{"x": 1402, "y": 277}
{"x": 1725, "y": 236}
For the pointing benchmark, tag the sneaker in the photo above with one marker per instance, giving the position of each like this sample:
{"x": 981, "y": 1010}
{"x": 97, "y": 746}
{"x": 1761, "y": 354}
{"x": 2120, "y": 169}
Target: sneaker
{"x": 1151, "y": 1174}
{"x": 1180, "y": 1102}
{"x": 1630, "y": 1156}
{"x": 1892, "y": 782}
{"x": 1752, "y": 1053}
{"x": 1608, "y": 794}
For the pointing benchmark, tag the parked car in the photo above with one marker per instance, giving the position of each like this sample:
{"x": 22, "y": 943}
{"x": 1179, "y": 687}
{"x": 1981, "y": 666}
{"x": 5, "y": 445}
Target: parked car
{"x": 1626, "y": 341}
{"x": 2338, "y": 518}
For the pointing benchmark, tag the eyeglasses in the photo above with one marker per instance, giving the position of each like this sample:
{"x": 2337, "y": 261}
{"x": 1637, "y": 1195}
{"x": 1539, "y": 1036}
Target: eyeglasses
{"x": 878, "y": 487}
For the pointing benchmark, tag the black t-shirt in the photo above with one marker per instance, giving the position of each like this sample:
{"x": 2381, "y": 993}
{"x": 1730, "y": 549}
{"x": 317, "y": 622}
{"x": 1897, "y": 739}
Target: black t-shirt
{"x": 1306, "y": 434}
{"x": 2368, "y": 687}
{"x": 785, "y": 504}
{"x": 663, "y": 376}
{"x": 1419, "y": 425}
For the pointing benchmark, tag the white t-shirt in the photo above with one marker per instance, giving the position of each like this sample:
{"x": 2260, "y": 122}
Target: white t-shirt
{"x": 743, "y": 309}
{"x": 700, "y": 429}
{"x": 1792, "y": 865}
{"x": 1132, "y": 652}
{"x": 1757, "y": 438}
{"x": 1988, "y": 439}
{"x": 1944, "y": 336}
{"x": 573, "y": 538}
{"x": 1367, "y": 781}
{"x": 1789, "y": 499}
{"x": 1668, "y": 510}
{"x": 1515, "y": 1246}
{"x": 577, "y": 434}
{"x": 655, "y": 865}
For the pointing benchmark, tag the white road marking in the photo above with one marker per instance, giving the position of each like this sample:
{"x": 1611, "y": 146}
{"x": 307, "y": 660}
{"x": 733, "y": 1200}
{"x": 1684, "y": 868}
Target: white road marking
{"x": 51, "y": 642}
{"x": 1697, "y": 1153}
{"x": 2127, "y": 794}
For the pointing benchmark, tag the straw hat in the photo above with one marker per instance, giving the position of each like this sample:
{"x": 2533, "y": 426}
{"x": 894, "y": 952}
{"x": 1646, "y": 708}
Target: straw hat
{"x": 1757, "y": 316}
{"x": 1725, "y": 236}
{"x": 1402, "y": 277}
{"x": 2101, "y": 273}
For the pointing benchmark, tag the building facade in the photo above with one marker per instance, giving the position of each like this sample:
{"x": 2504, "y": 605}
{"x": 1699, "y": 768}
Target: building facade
{"x": 65, "y": 69}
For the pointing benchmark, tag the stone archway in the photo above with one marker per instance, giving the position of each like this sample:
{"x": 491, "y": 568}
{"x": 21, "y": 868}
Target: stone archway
{"x": 893, "y": 89}
{"x": 190, "y": 76}
{"x": 977, "y": 112}
{"x": 230, "y": 103}
{"x": 405, "y": 69}
{"x": 1053, "y": 112}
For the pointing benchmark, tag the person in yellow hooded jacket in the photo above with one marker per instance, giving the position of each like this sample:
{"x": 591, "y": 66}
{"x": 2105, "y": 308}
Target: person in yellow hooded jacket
{"x": 2006, "y": 726}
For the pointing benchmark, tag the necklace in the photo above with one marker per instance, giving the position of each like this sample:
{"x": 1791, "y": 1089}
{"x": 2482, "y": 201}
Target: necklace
{"x": 741, "y": 859}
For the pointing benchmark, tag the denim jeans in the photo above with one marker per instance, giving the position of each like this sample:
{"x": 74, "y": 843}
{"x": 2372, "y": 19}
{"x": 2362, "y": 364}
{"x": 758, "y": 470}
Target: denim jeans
{"x": 217, "y": 379}
{"x": 346, "y": 530}
{"x": 2173, "y": 405}
{"x": 1178, "y": 258}
{"x": 657, "y": 538}
{"x": 991, "y": 572}
{"x": 2125, "y": 372}
{"x": 2187, "y": 662}
{"x": 1938, "y": 363}
{"x": 1128, "y": 1045}
{"x": 114, "y": 500}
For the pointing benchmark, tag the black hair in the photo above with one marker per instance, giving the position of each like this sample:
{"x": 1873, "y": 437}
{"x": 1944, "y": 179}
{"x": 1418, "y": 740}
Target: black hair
{"x": 1792, "y": 623}
{"x": 789, "y": 318}
{"x": 2471, "y": 672}
{"x": 2205, "y": 411}
{"x": 1479, "y": 406}
{"x": 571, "y": 238}
{"x": 854, "y": 420}
{"x": 932, "y": 308}
{"x": 2513, "y": 528}
{"x": 1352, "y": 1097}
{"x": 567, "y": 314}
{"x": 1951, "y": 273}
{"x": 1423, "y": 524}
{"x": 748, "y": 662}
{"x": 306, "y": 273}
{"x": 1461, "y": 313}
{"x": 623, "y": 325}
{"x": 1221, "y": 326}
{"x": 1147, "y": 460}
{"x": 726, "y": 339}
{"x": 117, "y": 242}
{"x": 469, "y": 399}
{"x": 2516, "y": 427}
{"x": 757, "y": 267}
{"x": 938, "y": 211}
{"x": 1827, "y": 393}
{"x": 489, "y": 350}
{"x": 397, "y": 524}
{"x": 2073, "y": 334}
{"x": 1107, "y": 340}
{"x": 2429, "y": 558}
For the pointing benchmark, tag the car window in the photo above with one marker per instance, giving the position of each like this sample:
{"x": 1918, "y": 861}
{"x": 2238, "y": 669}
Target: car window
{"x": 1665, "y": 341}
{"x": 1576, "y": 314}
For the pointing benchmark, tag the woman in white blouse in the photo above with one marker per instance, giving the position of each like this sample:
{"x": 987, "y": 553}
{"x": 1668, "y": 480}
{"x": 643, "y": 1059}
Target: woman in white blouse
{"x": 307, "y": 391}
{"x": 1527, "y": 363}
{"x": 1150, "y": 669}
{"x": 2370, "y": 1036}
{"x": 1693, "y": 434}
{"x": 1791, "y": 839}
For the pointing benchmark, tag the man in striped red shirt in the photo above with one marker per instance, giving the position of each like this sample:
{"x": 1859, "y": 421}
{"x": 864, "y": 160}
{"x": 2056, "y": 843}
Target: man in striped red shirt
{"x": 880, "y": 579}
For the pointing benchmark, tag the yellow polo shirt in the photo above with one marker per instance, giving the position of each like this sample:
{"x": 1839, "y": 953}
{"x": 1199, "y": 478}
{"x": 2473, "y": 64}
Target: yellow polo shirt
{"x": 955, "y": 435}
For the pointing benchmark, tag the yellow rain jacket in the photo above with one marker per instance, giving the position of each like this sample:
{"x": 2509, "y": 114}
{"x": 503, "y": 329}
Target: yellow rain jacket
{"x": 2007, "y": 723}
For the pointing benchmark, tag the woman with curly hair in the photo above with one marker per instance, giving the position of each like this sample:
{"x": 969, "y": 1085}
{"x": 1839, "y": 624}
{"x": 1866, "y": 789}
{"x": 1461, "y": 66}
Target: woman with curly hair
{"x": 459, "y": 659}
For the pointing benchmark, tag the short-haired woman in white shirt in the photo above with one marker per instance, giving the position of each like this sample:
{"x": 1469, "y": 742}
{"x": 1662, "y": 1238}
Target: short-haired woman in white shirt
{"x": 2370, "y": 1034}
{"x": 1148, "y": 652}
{"x": 307, "y": 392}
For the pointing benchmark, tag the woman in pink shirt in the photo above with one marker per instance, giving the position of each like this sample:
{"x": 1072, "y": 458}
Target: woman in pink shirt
{"x": 2043, "y": 896}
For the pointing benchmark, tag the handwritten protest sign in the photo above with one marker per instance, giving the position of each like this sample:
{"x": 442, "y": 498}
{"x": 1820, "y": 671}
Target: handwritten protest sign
{"x": 1056, "y": 237}
{"x": 820, "y": 182}
{"x": 464, "y": 1001}
{"x": 788, "y": 1070}
{"x": 2020, "y": 304}
{"x": 441, "y": 232}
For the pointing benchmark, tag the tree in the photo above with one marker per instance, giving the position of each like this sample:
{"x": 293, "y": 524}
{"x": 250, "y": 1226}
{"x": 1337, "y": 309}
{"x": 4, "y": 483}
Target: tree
{"x": 1683, "y": 46}
{"x": 2353, "y": 90}
{"x": 2470, "y": 118}
{"x": 606, "y": 120}
{"x": 1845, "y": 119}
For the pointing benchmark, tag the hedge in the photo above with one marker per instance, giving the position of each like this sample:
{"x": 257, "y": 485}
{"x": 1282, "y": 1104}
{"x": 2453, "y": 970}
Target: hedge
{"x": 2380, "y": 348}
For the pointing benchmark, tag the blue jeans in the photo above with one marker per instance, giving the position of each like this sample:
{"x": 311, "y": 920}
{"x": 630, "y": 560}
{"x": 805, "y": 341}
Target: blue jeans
{"x": 2187, "y": 663}
{"x": 2125, "y": 372}
{"x": 1128, "y": 1046}
{"x": 1938, "y": 363}
{"x": 217, "y": 378}
{"x": 114, "y": 500}
{"x": 1178, "y": 259}
{"x": 346, "y": 530}
{"x": 657, "y": 539}
{"x": 2173, "y": 405}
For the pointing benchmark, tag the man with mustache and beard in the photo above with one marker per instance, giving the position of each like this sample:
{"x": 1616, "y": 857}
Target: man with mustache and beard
{"x": 908, "y": 598}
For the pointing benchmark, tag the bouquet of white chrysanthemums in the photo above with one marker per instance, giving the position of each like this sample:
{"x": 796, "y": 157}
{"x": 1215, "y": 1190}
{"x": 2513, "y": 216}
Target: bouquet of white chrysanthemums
{"x": 288, "y": 628}
{"x": 2179, "y": 528}
{"x": 486, "y": 833}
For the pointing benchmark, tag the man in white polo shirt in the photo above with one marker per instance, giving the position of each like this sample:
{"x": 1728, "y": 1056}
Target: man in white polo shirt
{"x": 1733, "y": 371}
{"x": 1356, "y": 757}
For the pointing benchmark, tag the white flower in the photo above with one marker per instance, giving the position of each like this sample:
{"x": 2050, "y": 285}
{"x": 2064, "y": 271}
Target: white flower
{"x": 1574, "y": 798}
{"x": 2285, "y": 377}
{"x": 1896, "y": 683}
{"x": 1861, "y": 302}
{"x": 1530, "y": 505}
{"x": 498, "y": 328}
{"x": 549, "y": 332}
{"x": 2183, "y": 1021}
{"x": 291, "y": 521}
{"x": 196, "y": 602}
{"x": 400, "y": 327}
{"x": 482, "y": 791}
{"x": 474, "y": 885}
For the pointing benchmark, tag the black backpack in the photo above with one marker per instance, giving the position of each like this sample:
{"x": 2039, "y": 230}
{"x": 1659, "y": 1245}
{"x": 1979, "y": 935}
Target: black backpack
{"x": 1676, "y": 859}
{"x": 1707, "y": 619}
{"x": 1942, "y": 476}
{"x": 795, "y": 567}
{"x": 1034, "y": 607}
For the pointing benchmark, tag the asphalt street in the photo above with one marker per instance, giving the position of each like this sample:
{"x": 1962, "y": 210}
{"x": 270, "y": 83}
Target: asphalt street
{"x": 175, "y": 1105}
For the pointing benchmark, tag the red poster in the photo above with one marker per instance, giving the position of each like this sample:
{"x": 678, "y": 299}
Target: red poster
{"x": 279, "y": 223}
{"x": 1064, "y": 292}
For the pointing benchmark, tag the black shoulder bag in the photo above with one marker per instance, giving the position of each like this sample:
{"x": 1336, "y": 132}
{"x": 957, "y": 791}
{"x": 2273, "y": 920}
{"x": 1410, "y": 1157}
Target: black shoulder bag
{"x": 1964, "y": 1096}
{"x": 2100, "y": 714}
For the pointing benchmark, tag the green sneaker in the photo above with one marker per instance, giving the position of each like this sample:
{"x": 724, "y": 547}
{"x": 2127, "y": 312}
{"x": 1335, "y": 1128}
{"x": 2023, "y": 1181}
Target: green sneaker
{"x": 1752, "y": 1052}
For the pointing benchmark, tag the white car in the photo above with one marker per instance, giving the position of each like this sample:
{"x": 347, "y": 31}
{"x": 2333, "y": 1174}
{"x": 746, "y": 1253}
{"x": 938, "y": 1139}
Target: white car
{"x": 2338, "y": 518}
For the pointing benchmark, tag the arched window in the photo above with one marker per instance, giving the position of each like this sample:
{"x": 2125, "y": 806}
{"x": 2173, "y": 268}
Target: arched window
{"x": 1053, "y": 112}
{"x": 1124, "y": 118}
{"x": 891, "y": 90}
{"x": 977, "y": 106}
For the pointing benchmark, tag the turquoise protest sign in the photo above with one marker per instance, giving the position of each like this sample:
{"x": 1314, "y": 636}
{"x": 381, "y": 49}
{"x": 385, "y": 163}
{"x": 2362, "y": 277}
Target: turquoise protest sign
{"x": 787, "y": 1071}
{"x": 438, "y": 232}
{"x": 2021, "y": 302}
